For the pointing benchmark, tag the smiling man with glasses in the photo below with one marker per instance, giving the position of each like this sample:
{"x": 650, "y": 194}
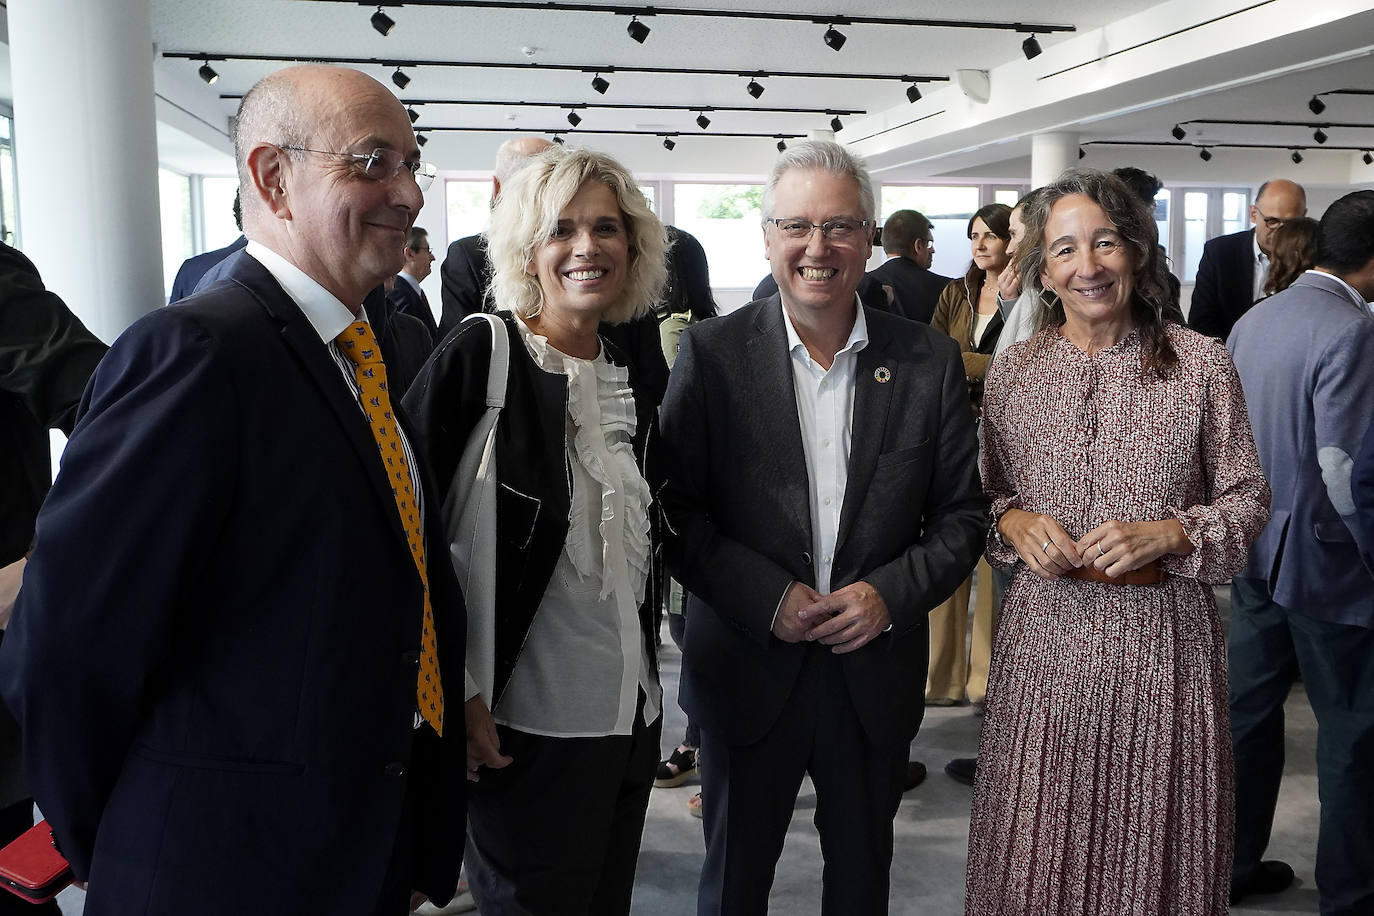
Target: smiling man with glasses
{"x": 239, "y": 622}
{"x": 1231, "y": 274}
{"x": 823, "y": 495}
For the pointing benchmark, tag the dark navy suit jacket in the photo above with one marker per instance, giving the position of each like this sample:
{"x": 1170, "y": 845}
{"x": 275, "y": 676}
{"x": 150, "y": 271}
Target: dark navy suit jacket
{"x": 1225, "y": 285}
{"x": 214, "y": 657}
{"x": 915, "y": 290}
{"x": 407, "y": 301}
{"x": 193, "y": 268}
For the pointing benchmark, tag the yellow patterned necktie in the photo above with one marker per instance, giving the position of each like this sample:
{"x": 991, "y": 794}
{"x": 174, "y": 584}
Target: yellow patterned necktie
{"x": 360, "y": 347}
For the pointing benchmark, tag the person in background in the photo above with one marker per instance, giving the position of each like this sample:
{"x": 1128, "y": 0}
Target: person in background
{"x": 1124, "y": 483}
{"x": 193, "y": 268}
{"x": 910, "y": 247}
{"x": 405, "y": 294}
{"x": 687, "y": 299}
{"x": 1293, "y": 253}
{"x": 1147, "y": 188}
{"x": 968, "y": 311}
{"x": 1231, "y": 274}
{"x": 1304, "y": 604}
{"x": 237, "y": 629}
{"x": 563, "y": 704}
{"x": 46, "y": 358}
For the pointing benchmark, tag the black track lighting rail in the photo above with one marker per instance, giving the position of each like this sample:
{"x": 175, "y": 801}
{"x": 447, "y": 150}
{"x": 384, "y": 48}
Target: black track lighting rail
{"x": 392, "y": 63}
{"x": 1039, "y": 28}
{"x": 630, "y": 106}
{"x": 569, "y": 132}
{"x": 1304, "y": 147}
{"x": 1308, "y": 124}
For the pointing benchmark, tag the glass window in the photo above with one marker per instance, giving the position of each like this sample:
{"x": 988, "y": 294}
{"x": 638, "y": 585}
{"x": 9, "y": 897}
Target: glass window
{"x": 948, "y": 208}
{"x": 650, "y": 194}
{"x": 469, "y": 206}
{"x": 9, "y": 217}
{"x": 726, "y": 219}
{"x": 1194, "y": 232}
{"x": 1235, "y": 211}
{"x": 1162, "y": 222}
{"x": 217, "y": 210}
{"x": 1008, "y": 196}
{"x": 174, "y": 198}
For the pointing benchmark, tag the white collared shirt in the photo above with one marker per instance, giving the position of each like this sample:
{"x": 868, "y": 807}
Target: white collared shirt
{"x": 825, "y": 410}
{"x": 1261, "y": 268}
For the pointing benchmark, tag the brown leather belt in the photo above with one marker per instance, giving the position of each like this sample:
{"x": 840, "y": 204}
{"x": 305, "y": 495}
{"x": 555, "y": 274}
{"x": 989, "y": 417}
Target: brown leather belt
{"x": 1149, "y": 574}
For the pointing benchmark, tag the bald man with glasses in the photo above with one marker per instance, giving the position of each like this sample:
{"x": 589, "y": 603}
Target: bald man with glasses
{"x": 1231, "y": 274}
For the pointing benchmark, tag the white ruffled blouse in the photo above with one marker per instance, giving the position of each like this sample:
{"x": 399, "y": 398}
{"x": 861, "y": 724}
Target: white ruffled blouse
{"x": 585, "y": 660}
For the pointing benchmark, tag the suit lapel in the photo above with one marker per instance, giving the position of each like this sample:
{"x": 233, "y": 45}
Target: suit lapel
{"x": 769, "y": 369}
{"x": 876, "y": 375}
{"x": 315, "y": 361}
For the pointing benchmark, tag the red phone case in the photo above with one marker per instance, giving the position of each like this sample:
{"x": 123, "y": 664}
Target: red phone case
{"x": 31, "y": 867}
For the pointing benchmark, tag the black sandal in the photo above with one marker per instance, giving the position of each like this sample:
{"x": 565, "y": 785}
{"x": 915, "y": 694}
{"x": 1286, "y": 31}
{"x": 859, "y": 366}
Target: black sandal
{"x": 680, "y": 766}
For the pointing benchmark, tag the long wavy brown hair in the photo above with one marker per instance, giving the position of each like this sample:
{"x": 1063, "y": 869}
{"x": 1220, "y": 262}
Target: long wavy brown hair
{"x": 1294, "y": 247}
{"x": 1136, "y": 225}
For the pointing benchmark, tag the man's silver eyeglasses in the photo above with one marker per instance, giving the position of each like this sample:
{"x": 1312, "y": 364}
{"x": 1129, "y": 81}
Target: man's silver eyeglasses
{"x": 840, "y": 229}
{"x": 380, "y": 164}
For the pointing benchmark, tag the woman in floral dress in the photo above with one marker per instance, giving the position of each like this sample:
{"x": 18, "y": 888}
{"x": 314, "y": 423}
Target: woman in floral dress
{"x": 1116, "y": 450}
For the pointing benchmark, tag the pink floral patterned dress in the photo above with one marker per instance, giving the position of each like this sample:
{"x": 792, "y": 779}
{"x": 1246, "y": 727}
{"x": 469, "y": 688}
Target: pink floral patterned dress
{"x": 1104, "y": 773}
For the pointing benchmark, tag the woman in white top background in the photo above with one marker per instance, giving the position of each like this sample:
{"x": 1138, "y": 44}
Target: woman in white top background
{"x": 563, "y": 701}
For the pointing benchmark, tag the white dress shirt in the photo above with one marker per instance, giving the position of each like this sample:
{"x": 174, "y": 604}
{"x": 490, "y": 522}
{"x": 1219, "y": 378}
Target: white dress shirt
{"x": 825, "y": 409}
{"x": 1261, "y": 268}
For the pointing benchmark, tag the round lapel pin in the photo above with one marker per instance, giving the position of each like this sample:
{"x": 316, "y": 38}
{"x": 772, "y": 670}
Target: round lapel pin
{"x": 882, "y": 374}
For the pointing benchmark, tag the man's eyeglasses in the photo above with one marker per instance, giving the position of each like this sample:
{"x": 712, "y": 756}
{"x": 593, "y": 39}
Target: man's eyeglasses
{"x": 380, "y": 164}
{"x": 840, "y": 229}
{"x": 1270, "y": 222}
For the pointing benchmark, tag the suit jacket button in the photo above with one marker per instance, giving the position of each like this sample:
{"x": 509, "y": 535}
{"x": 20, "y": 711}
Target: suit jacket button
{"x": 411, "y": 659}
{"x": 806, "y": 557}
{"x": 395, "y": 769}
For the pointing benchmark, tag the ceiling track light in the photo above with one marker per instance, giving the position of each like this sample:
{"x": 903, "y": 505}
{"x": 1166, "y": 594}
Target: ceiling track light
{"x": 1296, "y": 157}
{"x": 836, "y": 124}
{"x": 1178, "y": 132}
{"x": 1316, "y": 105}
{"x": 1368, "y": 158}
{"x": 782, "y": 148}
{"x": 754, "y": 88}
{"x": 1082, "y": 152}
{"x": 382, "y": 22}
{"x": 574, "y": 118}
{"x": 599, "y": 84}
{"x": 414, "y": 115}
{"x": 1205, "y": 155}
{"x": 668, "y": 144}
{"x": 1319, "y": 135}
{"x": 208, "y": 74}
{"x": 834, "y": 38}
{"x": 913, "y": 93}
{"x": 421, "y": 139}
{"x": 637, "y": 30}
{"x": 1031, "y": 48}
{"x": 558, "y": 138}
{"x": 400, "y": 79}
{"x": 702, "y": 121}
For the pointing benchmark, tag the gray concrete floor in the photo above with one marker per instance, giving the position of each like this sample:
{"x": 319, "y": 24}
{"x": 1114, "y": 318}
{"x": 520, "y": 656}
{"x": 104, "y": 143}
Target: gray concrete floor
{"x": 931, "y": 829}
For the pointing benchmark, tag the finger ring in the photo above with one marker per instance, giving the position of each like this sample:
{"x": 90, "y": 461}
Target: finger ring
{"x": 1045, "y": 547}
{"x": 1100, "y": 551}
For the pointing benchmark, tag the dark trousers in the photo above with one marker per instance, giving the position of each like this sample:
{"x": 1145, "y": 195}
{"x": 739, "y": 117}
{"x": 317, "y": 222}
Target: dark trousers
{"x": 14, "y": 820}
{"x": 677, "y": 628}
{"x": 557, "y": 831}
{"x": 1268, "y": 646}
{"x": 749, "y": 792}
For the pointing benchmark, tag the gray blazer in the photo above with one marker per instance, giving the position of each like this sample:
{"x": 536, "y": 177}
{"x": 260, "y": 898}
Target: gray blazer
{"x": 738, "y": 506}
{"x": 1306, "y": 360}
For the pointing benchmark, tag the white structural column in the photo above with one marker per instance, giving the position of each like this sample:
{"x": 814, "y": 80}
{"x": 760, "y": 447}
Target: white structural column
{"x": 1051, "y": 154}
{"x": 86, "y": 150}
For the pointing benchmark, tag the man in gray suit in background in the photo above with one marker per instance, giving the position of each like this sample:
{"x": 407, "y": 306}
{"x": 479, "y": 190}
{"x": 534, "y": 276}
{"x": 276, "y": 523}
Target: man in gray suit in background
{"x": 1305, "y": 602}
{"x": 823, "y": 498}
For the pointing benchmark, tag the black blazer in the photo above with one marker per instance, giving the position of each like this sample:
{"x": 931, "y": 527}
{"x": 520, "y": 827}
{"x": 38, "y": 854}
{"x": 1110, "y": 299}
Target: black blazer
{"x": 194, "y": 268}
{"x": 737, "y": 503}
{"x": 915, "y": 290}
{"x": 1225, "y": 285}
{"x": 407, "y": 300}
{"x": 464, "y": 275}
{"x": 533, "y": 498}
{"x": 215, "y": 652}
